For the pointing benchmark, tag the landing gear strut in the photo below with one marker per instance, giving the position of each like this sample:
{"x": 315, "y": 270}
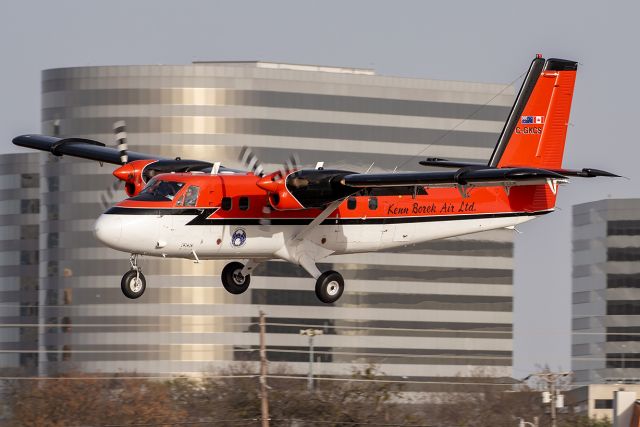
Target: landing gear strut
{"x": 133, "y": 282}
{"x": 234, "y": 278}
{"x": 329, "y": 285}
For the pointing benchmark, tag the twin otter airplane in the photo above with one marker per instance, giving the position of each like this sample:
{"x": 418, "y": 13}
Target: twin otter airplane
{"x": 199, "y": 210}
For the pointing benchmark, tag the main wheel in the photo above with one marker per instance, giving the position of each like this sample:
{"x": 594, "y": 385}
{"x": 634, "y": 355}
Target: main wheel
{"x": 133, "y": 284}
{"x": 329, "y": 286}
{"x": 233, "y": 280}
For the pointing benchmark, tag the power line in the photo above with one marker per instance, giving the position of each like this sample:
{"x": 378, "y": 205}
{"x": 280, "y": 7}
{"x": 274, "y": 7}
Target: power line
{"x": 371, "y": 328}
{"x": 324, "y": 326}
{"x": 292, "y": 377}
{"x": 328, "y": 352}
{"x": 171, "y": 422}
{"x": 340, "y": 353}
{"x": 300, "y": 420}
{"x": 473, "y": 113}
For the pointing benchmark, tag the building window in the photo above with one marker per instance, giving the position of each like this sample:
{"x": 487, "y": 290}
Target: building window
{"x": 623, "y": 280}
{"x": 604, "y": 403}
{"x": 243, "y": 203}
{"x": 623, "y": 228}
{"x": 30, "y": 206}
{"x": 623, "y": 307}
{"x": 226, "y": 204}
{"x": 373, "y": 203}
{"x": 623, "y": 254}
{"x": 29, "y": 180}
{"x": 351, "y": 203}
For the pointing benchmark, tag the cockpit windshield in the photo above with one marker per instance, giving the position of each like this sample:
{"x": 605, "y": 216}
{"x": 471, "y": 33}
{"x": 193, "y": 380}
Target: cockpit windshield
{"x": 159, "y": 191}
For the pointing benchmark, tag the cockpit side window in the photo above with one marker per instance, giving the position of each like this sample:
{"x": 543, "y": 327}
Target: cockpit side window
{"x": 159, "y": 191}
{"x": 191, "y": 196}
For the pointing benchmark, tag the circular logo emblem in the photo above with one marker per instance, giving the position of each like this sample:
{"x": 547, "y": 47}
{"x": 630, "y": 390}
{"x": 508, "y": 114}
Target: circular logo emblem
{"x": 238, "y": 237}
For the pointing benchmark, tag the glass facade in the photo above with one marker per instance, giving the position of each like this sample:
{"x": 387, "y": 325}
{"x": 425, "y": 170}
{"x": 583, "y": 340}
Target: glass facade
{"x": 19, "y": 236}
{"x": 606, "y": 294}
{"x": 435, "y": 310}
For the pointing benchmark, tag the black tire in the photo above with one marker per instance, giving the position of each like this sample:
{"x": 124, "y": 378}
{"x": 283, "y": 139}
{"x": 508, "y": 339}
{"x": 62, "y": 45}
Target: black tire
{"x": 232, "y": 280}
{"x": 329, "y": 286}
{"x": 130, "y": 288}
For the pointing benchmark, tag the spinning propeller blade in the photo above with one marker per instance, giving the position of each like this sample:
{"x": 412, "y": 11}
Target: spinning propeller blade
{"x": 251, "y": 161}
{"x": 120, "y": 132}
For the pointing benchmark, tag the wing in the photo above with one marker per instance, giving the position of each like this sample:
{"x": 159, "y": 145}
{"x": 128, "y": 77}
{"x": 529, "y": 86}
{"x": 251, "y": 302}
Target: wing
{"x": 79, "y": 147}
{"x": 582, "y": 173}
{"x": 470, "y": 175}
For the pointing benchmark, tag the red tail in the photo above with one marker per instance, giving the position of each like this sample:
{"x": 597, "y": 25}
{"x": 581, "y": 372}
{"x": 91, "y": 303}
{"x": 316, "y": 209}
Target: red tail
{"x": 535, "y": 132}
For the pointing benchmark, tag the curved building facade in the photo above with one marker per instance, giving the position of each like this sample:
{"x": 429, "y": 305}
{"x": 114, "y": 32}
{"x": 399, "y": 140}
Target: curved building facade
{"x": 432, "y": 310}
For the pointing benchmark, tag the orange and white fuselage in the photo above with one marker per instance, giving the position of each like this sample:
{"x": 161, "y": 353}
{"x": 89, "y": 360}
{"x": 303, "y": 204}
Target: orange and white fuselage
{"x": 361, "y": 223}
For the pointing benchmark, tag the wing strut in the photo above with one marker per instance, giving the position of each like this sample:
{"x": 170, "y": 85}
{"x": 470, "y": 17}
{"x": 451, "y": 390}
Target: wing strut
{"x": 318, "y": 220}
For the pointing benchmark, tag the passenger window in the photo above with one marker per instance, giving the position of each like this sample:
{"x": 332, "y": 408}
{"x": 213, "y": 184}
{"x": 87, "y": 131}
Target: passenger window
{"x": 191, "y": 196}
{"x": 243, "y": 203}
{"x": 351, "y": 203}
{"x": 373, "y": 203}
{"x": 180, "y": 201}
{"x": 226, "y": 204}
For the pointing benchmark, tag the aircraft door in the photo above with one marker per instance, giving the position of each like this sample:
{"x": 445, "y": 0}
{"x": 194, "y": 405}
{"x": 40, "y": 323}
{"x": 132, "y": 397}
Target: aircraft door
{"x": 363, "y": 229}
{"x": 164, "y": 229}
{"x": 213, "y": 233}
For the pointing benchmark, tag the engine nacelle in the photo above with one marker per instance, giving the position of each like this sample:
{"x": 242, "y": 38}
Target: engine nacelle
{"x": 305, "y": 189}
{"x": 132, "y": 175}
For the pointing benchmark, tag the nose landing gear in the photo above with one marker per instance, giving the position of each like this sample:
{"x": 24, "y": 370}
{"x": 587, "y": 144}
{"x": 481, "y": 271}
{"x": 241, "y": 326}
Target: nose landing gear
{"x": 133, "y": 282}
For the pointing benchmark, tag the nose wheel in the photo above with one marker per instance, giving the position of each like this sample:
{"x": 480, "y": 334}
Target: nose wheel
{"x": 233, "y": 280}
{"x": 133, "y": 282}
{"x": 329, "y": 286}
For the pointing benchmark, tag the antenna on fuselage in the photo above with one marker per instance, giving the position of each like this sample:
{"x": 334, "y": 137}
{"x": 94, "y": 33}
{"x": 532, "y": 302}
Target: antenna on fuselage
{"x": 216, "y": 168}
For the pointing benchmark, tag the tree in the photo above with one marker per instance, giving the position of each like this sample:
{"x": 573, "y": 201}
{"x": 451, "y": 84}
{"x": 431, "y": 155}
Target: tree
{"x": 81, "y": 399}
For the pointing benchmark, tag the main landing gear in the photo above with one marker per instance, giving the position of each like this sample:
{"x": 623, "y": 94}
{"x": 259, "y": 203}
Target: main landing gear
{"x": 236, "y": 277}
{"x": 133, "y": 282}
{"x": 329, "y": 286}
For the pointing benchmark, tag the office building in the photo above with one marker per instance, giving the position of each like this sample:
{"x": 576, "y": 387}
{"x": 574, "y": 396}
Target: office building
{"x": 606, "y": 291}
{"x": 19, "y": 235}
{"x": 435, "y": 310}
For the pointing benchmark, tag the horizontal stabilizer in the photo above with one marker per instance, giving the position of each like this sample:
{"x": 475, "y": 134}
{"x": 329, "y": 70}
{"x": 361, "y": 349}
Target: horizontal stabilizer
{"x": 585, "y": 173}
{"x": 444, "y": 163}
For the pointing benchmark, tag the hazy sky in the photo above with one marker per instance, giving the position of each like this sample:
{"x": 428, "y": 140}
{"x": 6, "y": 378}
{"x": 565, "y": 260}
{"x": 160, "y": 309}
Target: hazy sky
{"x": 489, "y": 41}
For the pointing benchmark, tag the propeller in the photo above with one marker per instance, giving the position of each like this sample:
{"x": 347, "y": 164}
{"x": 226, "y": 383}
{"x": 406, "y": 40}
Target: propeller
{"x": 120, "y": 132}
{"x": 251, "y": 161}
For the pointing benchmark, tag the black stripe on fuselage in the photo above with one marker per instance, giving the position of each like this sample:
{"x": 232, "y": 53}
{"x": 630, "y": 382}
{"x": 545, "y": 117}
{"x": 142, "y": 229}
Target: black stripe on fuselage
{"x": 202, "y": 217}
{"x": 119, "y": 210}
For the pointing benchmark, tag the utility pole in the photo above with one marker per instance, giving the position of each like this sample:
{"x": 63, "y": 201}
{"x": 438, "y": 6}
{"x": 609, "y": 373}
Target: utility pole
{"x": 310, "y": 333}
{"x": 551, "y": 395}
{"x": 263, "y": 373}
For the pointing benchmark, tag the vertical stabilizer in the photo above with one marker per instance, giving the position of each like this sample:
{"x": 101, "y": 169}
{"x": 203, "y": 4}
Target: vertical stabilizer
{"x": 535, "y": 132}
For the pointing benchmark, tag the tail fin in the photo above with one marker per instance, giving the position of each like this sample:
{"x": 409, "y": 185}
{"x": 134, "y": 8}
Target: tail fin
{"x": 535, "y": 131}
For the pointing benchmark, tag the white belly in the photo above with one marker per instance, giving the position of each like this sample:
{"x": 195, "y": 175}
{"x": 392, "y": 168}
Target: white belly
{"x": 170, "y": 236}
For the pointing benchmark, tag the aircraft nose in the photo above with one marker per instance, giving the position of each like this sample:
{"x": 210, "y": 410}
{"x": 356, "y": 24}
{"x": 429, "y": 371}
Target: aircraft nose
{"x": 108, "y": 229}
